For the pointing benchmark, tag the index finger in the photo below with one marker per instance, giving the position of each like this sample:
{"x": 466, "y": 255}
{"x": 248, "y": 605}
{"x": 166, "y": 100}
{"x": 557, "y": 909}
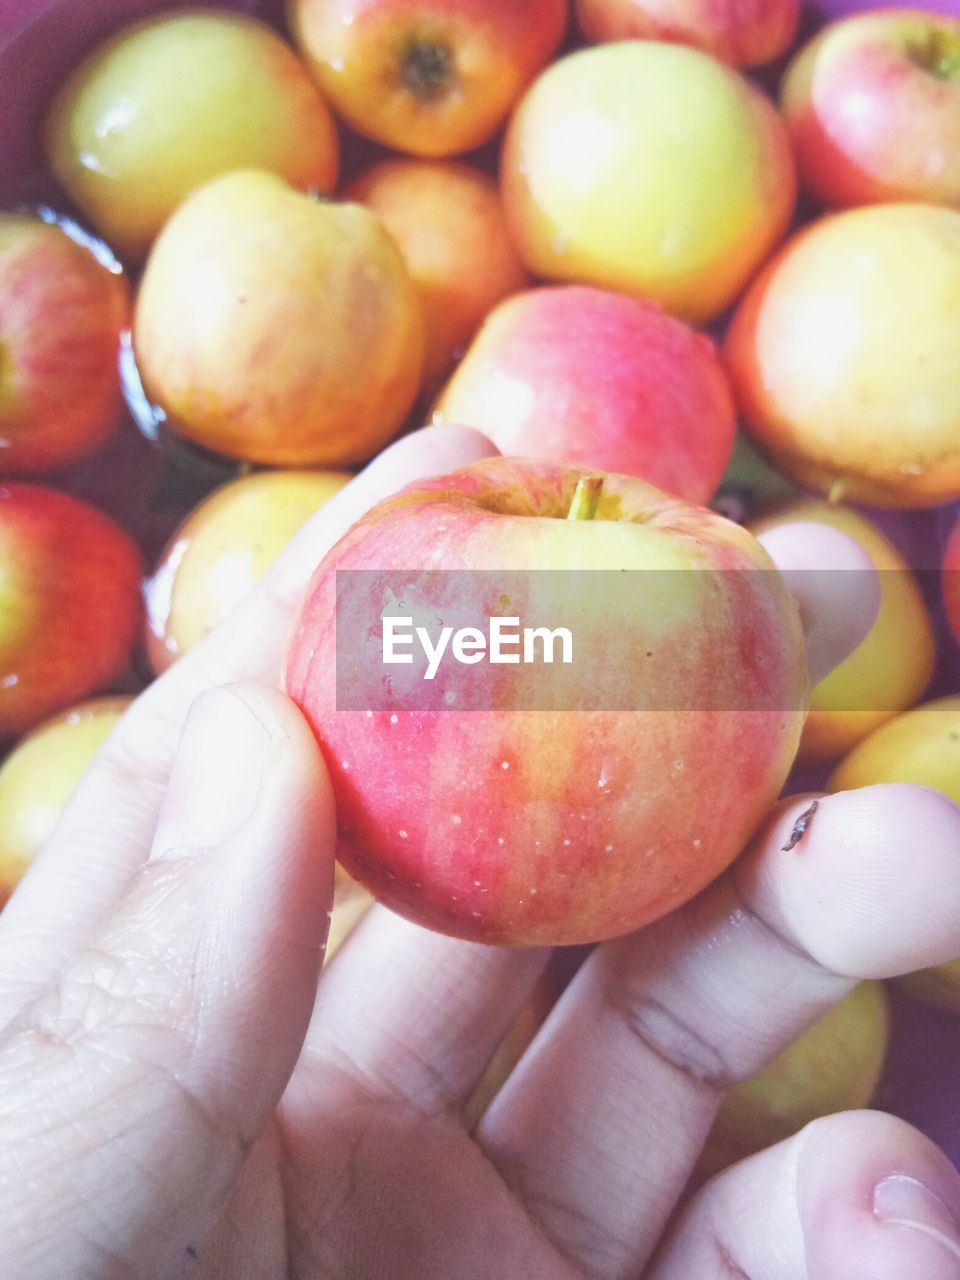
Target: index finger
{"x": 105, "y": 833}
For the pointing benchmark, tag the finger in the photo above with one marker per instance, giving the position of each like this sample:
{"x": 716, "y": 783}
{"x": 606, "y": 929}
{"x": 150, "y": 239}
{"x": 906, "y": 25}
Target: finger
{"x": 835, "y": 585}
{"x": 106, "y": 831}
{"x": 412, "y": 1016}
{"x": 657, "y": 1026}
{"x": 859, "y": 1193}
{"x": 131, "y": 1090}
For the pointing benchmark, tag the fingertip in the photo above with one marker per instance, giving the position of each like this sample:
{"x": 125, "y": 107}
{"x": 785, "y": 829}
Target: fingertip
{"x": 835, "y": 585}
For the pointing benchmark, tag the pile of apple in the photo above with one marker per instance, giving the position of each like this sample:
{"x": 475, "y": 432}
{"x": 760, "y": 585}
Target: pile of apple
{"x": 604, "y": 237}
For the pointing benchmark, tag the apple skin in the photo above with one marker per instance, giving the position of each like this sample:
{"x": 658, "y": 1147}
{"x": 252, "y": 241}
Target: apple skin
{"x": 69, "y": 603}
{"x": 557, "y": 827}
{"x": 835, "y": 1065}
{"x": 278, "y": 329}
{"x": 431, "y": 77}
{"x": 590, "y": 378}
{"x": 450, "y": 226}
{"x": 922, "y": 746}
{"x": 605, "y": 166}
{"x": 951, "y": 581}
{"x": 39, "y": 777}
{"x": 61, "y": 315}
{"x": 744, "y": 33}
{"x": 830, "y": 343}
{"x": 221, "y": 550}
{"x": 873, "y": 108}
{"x": 168, "y": 104}
{"x": 891, "y": 667}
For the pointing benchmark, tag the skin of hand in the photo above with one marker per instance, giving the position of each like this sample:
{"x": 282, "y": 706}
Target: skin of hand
{"x": 181, "y": 1097}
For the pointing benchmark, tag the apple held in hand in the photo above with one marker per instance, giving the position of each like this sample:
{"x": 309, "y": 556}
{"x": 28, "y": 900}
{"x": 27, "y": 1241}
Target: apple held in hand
{"x": 873, "y": 108}
{"x": 277, "y": 328}
{"x": 891, "y": 667}
{"x": 39, "y": 777}
{"x": 651, "y": 169}
{"x": 69, "y": 603}
{"x": 451, "y": 229}
{"x": 170, "y": 103}
{"x": 432, "y": 77}
{"x": 745, "y": 33}
{"x": 844, "y": 356}
{"x": 223, "y": 547}
{"x": 61, "y": 315}
{"x": 596, "y": 379}
{"x": 555, "y": 826}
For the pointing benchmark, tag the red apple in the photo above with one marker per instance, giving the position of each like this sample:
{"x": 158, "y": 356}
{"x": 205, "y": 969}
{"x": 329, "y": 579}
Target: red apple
{"x": 39, "y": 777}
{"x": 951, "y": 581}
{"x": 873, "y": 107}
{"x": 61, "y": 314}
{"x": 432, "y": 77}
{"x": 506, "y": 823}
{"x": 596, "y": 379}
{"x": 69, "y": 603}
{"x": 744, "y": 33}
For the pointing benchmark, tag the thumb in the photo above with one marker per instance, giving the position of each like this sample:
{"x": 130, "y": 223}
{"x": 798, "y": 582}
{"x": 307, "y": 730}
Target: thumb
{"x": 166, "y": 1045}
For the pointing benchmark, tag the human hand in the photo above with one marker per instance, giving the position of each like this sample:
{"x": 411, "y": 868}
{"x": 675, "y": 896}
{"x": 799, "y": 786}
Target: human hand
{"x": 179, "y": 1097}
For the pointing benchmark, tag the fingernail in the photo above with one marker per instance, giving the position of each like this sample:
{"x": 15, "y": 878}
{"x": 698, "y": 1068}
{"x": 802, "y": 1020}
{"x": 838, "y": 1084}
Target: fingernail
{"x": 217, "y": 775}
{"x": 906, "y": 1202}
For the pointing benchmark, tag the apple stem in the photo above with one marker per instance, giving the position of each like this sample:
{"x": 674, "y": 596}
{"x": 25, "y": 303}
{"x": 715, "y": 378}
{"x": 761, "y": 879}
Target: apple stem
{"x": 586, "y": 498}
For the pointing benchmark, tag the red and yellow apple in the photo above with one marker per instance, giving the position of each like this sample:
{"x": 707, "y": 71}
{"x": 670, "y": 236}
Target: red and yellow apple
{"x": 431, "y": 77}
{"x": 168, "y": 104}
{"x": 651, "y": 169}
{"x": 891, "y": 667}
{"x": 572, "y": 818}
{"x": 277, "y": 328}
{"x": 873, "y": 107}
{"x": 69, "y": 603}
{"x": 222, "y": 548}
{"x": 951, "y": 581}
{"x": 834, "y": 1066}
{"x": 923, "y": 747}
{"x": 61, "y": 315}
{"x": 745, "y": 33}
{"x": 39, "y": 777}
{"x": 591, "y": 378}
{"x": 844, "y": 356}
{"x": 449, "y": 223}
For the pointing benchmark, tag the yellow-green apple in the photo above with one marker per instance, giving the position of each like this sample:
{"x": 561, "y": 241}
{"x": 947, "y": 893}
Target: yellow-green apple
{"x": 745, "y": 33}
{"x": 608, "y": 161}
{"x": 922, "y": 746}
{"x": 891, "y": 667}
{"x": 951, "y": 581}
{"x": 597, "y": 379}
{"x": 61, "y": 315}
{"x": 548, "y": 802}
{"x": 449, "y": 223}
{"x": 221, "y": 549}
{"x": 431, "y": 77}
{"x": 834, "y": 1066}
{"x": 166, "y": 105}
{"x": 39, "y": 777}
{"x": 351, "y": 903}
{"x": 873, "y": 107}
{"x": 278, "y": 328}
{"x": 69, "y": 603}
{"x": 844, "y": 355}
